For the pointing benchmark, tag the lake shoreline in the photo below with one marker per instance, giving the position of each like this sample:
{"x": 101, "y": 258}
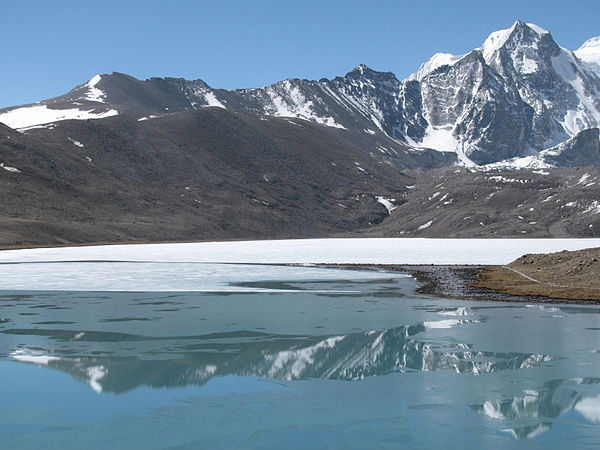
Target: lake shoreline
{"x": 466, "y": 282}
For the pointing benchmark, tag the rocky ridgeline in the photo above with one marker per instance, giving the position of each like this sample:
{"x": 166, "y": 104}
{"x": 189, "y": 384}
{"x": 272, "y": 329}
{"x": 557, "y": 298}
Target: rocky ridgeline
{"x": 518, "y": 95}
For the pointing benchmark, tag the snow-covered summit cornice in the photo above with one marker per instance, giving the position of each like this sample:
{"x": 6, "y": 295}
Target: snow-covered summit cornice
{"x": 589, "y": 52}
{"x": 591, "y": 43}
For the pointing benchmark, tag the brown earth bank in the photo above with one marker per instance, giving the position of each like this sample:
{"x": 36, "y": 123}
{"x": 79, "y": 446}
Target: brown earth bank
{"x": 568, "y": 274}
{"x": 563, "y": 277}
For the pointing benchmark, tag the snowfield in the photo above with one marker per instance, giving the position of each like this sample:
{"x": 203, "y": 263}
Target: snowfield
{"x": 227, "y": 266}
{"x": 31, "y": 116}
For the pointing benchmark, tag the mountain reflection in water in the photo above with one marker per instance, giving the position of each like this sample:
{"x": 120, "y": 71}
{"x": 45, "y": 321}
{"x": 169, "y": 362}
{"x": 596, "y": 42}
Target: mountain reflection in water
{"x": 282, "y": 357}
{"x": 535, "y": 410}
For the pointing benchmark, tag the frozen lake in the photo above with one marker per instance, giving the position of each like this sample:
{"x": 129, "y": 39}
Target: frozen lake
{"x": 158, "y": 351}
{"x": 208, "y": 266}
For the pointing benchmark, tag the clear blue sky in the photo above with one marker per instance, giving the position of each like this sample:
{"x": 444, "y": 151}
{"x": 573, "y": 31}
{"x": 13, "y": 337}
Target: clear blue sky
{"x": 48, "y": 47}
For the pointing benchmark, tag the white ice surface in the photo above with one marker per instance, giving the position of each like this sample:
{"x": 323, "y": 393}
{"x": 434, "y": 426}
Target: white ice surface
{"x": 311, "y": 251}
{"x": 176, "y": 267}
{"x": 167, "y": 276}
{"x": 440, "y": 139}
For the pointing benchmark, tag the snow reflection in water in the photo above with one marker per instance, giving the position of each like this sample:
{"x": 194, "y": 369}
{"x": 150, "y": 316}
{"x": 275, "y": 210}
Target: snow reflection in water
{"x": 535, "y": 410}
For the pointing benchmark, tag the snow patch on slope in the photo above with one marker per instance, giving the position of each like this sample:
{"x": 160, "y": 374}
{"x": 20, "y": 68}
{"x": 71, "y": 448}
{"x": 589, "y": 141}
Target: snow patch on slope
{"x": 295, "y": 104}
{"x": 76, "y": 143}
{"x": 9, "y": 168}
{"x": 29, "y": 116}
{"x": 93, "y": 93}
{"x": 440, "y": 139}
{"x": 538, "y": 161}
{"x": 519, "y": 163}
{"x": 425, "y": 225}
{"x": 387, "y": 202}
{"x": 211, "y": 100}
{"x": 587, "y": 114}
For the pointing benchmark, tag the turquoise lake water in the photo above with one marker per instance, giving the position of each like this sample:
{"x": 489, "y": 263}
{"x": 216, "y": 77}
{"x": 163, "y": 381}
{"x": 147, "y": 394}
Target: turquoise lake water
{"x": 350, "y": 363}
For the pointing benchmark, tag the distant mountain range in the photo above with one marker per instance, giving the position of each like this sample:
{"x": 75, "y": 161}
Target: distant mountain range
{"x": 168, "y": 158}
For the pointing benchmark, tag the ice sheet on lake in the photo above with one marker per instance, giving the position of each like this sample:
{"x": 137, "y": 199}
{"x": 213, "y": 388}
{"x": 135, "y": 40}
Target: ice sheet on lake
{"x": 312, "y": 251}
{"x": 169, "y": 277}
{"x": 203, "y": 266}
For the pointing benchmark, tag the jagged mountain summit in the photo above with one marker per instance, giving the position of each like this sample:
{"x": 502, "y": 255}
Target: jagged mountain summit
{"x": 516, "y": 95}
{"x": 506, "y": 102}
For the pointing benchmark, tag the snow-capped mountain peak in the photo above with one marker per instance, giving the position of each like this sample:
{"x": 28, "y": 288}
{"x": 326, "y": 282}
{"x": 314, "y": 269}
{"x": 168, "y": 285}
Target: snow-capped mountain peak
{"x": 361, "y": 68}
{"x": 496, "y": 40}
{"x": 518, "y": 37}
{"x": 589, "y": 52}
{"x": 516, "y": 95}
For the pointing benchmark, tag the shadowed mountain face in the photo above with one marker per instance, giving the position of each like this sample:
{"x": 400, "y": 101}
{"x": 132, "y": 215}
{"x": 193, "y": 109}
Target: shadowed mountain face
{"x": 207, "y": 174}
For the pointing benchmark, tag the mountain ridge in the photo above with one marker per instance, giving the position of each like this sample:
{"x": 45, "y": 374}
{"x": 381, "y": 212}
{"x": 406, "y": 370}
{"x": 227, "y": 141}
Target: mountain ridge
{"x": 516, "y": 95}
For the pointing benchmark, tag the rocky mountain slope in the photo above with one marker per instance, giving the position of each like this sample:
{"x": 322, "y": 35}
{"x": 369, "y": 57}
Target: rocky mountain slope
{"x": 458, "y": 202}
{"x": 206, "y": 174}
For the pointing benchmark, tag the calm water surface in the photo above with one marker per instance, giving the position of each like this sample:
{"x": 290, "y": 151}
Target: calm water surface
{"x": 352, "y": 362}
